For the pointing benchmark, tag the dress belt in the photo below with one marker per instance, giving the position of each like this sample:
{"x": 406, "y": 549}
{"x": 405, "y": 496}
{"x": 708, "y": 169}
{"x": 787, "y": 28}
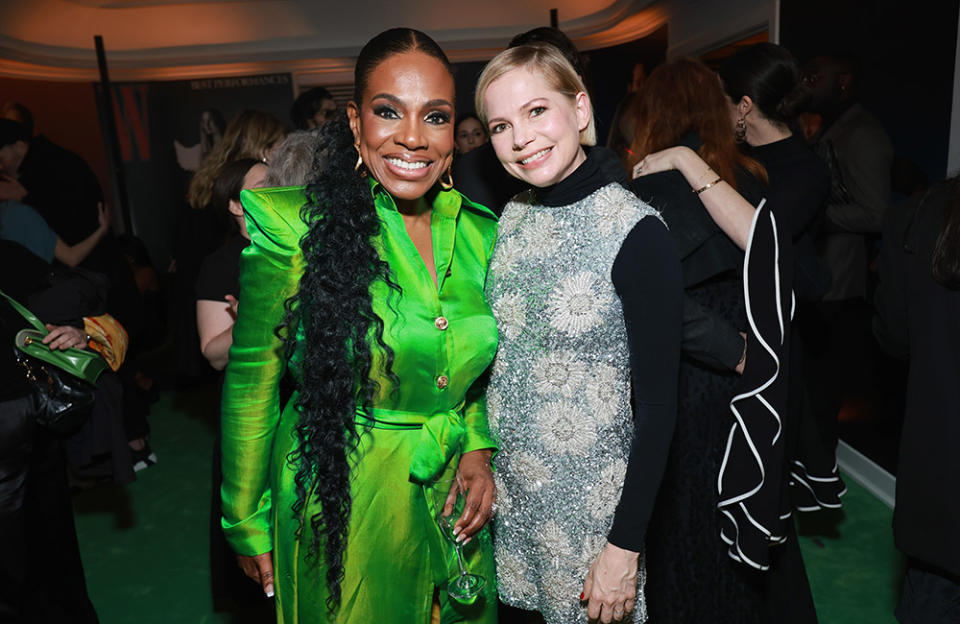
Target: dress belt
{"x": 441, "y": 436}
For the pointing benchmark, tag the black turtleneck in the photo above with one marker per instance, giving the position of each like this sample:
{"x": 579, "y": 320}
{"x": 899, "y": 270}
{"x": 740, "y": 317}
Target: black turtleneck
{"x": 646, "y": 276}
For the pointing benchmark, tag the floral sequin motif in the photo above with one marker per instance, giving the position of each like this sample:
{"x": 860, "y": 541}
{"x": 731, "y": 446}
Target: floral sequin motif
{"x": 511, "y": 315}
{"x": 530, "y": 470}
{"x": 558, "y": 586}
{"x": 512, "y": 570}
{"x": 506, "y": 255}
{"x": 614, "y": 215}
{"x": 590, "y": 549}
{"x": 605, "y": 494}
{"x": 565, "y": 428}
{"x": 599, "y": 393}
{"x": 511, "y": 218}
{"x": 554, "y": 542}
{"x": 575, "y": 304}
{"x": 559, "y": 373}
{"x": 541, "y": 235}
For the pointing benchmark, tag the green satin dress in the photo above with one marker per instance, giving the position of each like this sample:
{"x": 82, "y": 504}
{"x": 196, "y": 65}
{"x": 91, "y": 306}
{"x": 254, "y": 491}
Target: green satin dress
{"x": 443, "y": 339}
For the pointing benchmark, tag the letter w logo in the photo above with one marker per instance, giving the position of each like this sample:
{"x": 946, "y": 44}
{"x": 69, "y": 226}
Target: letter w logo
{"x": 130, "y": 104}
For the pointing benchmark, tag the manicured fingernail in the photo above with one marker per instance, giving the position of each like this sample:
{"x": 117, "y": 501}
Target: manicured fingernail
{"x": 456, "y": 531}
{"x": 581, "y": 595}
{"x": 269, "y": 591}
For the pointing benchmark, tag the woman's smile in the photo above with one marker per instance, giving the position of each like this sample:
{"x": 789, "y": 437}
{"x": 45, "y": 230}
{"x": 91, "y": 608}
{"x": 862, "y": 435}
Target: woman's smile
{"x": 406, "y": 167}
{"x": 536, "y": 159}
{"x": 404, "y": 125}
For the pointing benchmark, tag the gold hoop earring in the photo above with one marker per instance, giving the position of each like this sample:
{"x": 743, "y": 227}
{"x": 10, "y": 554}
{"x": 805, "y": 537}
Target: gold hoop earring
{"x": 359, "y": 164}
{"x": 449, "y": 184}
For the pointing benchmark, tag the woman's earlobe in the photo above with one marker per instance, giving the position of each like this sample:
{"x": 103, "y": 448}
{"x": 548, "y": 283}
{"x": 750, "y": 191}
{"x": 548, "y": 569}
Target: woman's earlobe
{"x": 235, "y": 208}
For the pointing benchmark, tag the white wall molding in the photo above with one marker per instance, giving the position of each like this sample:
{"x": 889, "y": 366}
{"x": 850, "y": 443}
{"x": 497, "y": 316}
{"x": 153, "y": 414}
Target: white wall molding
{"x": 857, "y": 466}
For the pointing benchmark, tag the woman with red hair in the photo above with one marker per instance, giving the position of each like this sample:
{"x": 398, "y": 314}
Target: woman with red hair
{"x": 720, "y": 540}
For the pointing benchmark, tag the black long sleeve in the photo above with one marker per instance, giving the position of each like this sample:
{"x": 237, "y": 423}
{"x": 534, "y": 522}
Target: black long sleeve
{"x": 646, "y": 275}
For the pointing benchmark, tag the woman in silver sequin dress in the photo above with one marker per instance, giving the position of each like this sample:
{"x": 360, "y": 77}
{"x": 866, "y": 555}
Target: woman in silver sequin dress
{"x": 585, "y": 285}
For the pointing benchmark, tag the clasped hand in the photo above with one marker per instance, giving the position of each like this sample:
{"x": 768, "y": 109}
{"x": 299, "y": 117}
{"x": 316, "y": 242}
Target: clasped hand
{"x": 610, "y": 590}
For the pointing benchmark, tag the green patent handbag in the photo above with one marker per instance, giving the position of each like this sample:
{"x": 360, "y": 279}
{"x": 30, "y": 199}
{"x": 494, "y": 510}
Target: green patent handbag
{"x": 63, "y": 381}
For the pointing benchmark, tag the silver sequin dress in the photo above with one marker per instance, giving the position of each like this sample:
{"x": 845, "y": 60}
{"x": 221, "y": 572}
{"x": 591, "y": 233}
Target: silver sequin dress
{"x": 559, "y": 396}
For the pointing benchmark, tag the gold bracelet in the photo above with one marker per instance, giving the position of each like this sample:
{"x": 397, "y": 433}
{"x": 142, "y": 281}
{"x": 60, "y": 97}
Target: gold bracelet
{"x": 706, "y": 186}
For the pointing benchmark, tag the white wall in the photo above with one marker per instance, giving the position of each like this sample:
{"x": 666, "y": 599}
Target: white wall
{"x": 953, "y": 153}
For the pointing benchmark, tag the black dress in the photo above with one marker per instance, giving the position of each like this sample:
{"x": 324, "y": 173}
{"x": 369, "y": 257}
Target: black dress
{"x": 692, "y": 572}
{"x": 690, "y": 578}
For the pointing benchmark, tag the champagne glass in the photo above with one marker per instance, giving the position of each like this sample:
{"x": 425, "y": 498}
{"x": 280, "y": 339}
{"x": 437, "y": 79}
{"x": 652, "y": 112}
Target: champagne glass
{"x": 447, "y": 495}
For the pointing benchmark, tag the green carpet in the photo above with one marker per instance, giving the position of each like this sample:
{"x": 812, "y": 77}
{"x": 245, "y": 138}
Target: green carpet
{"x": 855, "y": 572}
{"x": 145, "y": 546}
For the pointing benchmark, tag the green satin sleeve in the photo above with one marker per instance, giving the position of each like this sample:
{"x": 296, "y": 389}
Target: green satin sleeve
{"x": 270, "y": 270}
{"x": 478, "y": 434}
{"x": 475, "y": 408}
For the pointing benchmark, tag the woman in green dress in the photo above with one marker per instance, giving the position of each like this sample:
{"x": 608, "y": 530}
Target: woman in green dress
{"x": 374, "y": 274}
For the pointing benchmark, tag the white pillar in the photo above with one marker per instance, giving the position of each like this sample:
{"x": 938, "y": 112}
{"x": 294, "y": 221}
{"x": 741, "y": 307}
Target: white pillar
{"x": 953, "y": 155}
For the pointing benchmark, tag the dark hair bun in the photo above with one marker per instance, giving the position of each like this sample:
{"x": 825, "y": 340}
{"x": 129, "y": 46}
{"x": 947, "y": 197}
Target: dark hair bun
{"x": 767, "y": 74}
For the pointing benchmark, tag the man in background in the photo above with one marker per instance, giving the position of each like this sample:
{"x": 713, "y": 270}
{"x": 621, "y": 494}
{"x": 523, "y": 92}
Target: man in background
{"x": 312, "y": 109}
{"x": 859, "y": 155}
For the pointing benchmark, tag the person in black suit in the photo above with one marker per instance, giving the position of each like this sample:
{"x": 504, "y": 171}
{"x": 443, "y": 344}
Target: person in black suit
{"x": 917, "y": 307}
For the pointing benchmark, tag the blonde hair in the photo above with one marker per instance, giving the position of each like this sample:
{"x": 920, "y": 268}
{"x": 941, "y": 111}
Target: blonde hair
{"x": 545, "y": 60}
{"x": 247, "y": 136}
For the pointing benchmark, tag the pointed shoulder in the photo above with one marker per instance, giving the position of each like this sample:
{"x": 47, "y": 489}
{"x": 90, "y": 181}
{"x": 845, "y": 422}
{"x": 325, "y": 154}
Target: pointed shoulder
{"x": 273, "y": 215}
